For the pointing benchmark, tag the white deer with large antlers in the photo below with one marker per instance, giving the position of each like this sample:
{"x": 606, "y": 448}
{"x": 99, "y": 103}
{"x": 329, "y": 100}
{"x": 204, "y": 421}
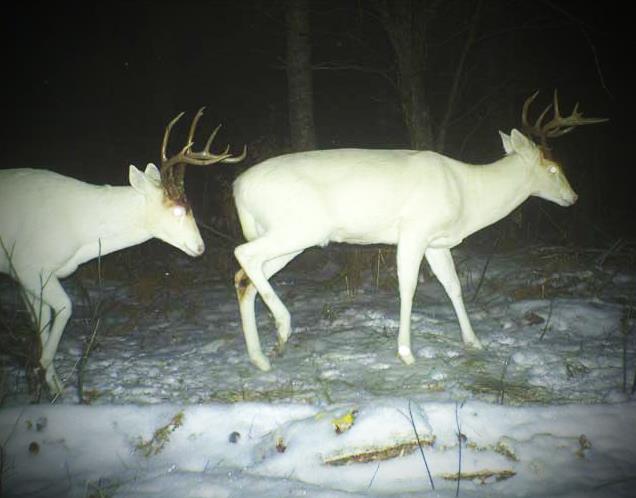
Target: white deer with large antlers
{"x": 50, "y": 224}
{"x": 424, "y": 202}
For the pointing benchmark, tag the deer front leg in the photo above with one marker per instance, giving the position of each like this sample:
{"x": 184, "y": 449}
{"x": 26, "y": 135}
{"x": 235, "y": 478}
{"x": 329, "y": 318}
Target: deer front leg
{"x": 409, "y": 257}
{"x": 61, "y": 306}
{"x": 257, "y": 274}
{"x": 246, "y": 294}
{"x": 51, "y": 309}
{"x": 442, "y": 265}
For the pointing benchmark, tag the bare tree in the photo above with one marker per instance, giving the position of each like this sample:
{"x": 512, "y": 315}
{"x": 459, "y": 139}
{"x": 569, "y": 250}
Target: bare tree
{"x": 405, "y": 22}
{"x": 408, "y": 24}
{"x": 453, "y": 93}
{"x": 299, "y": 76}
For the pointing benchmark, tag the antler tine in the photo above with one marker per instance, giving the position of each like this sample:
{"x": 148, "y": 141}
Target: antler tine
{"x": 236, "y": 159}
{"x": 524, "y": 110}
{"x": 555, "y": 99}
{"x": 553, "y": 128}
{"x": 534, "y": 129}
{"x": 537, "y": 124}
{"x": 164, "y": 142}
{"x": 182, "y": 157}
{"x": 211, "y": 139}
{"x": 193, "y": 125}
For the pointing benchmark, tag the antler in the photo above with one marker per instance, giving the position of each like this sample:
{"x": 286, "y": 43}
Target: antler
{"x": 558, "y": 125}
{"x": 173, "y": 168}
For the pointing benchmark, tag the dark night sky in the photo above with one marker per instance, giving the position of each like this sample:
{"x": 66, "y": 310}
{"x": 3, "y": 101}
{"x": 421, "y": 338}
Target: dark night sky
{"x": 90, "y": 86}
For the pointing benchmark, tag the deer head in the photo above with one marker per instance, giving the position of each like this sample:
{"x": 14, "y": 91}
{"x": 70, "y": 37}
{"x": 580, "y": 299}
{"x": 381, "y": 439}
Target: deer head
{"x": 168, "y": 215}
{"x": 548, "y": 176}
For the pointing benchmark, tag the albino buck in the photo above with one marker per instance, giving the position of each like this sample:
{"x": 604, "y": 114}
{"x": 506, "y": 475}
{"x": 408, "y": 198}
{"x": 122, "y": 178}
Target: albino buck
{"x": 50, "y": 224}
{"x": 424, "y": 202}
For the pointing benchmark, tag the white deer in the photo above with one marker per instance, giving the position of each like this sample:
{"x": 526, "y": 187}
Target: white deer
{"x": 423, "y": 202}
{"x": 50, "y": 224}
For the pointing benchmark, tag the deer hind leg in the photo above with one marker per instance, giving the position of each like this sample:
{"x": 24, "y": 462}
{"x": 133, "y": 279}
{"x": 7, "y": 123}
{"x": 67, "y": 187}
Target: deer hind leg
{"x": 270, "y": 268}
{"x": 252, "y": 279}
{"x": 51, "y": 309}
{"x": 246, "y": 294}
{"x": 441, "y": 262}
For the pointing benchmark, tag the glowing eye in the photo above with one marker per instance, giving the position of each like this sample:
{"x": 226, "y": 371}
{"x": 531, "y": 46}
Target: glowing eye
{"x": 178, "y": 211}
{"x": 553, "y": 169}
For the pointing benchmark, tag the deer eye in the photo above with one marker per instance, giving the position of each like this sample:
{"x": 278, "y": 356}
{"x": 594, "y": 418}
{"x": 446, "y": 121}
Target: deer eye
{"x": 178, "y": 211}
{"x": 553, "y": 169}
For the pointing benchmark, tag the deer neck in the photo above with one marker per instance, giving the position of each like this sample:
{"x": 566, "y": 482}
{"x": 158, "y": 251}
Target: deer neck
{"x": 120, "y": 219}
{"x": 494, "y": 190}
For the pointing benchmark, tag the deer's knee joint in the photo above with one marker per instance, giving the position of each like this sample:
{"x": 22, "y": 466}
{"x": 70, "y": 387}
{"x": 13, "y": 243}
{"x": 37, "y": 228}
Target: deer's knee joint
{"x": 241, "y": 283}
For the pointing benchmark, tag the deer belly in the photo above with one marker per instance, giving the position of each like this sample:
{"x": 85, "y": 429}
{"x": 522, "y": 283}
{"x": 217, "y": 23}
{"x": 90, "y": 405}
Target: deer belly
{"x": 366, "y": 235}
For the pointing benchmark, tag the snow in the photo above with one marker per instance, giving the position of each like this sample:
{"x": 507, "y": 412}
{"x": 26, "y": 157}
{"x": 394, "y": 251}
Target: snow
{"x": 176, "y": 409}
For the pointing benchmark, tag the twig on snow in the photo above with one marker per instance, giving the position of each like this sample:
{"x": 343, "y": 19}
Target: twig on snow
{"x": 485, "y": 268}
{"x": 460, "y": 440}
{"x": 614, "y": 248}
{"x": 502, "y": 383}
{"x": 373, "y": 477}
{"x": 626, "y": 332}
{"x": 547, "y": 322}
{"x": 419, "y": 445}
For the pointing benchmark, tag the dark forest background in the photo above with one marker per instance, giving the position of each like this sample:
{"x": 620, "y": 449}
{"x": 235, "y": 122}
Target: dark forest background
{"x": 90, "y": 86}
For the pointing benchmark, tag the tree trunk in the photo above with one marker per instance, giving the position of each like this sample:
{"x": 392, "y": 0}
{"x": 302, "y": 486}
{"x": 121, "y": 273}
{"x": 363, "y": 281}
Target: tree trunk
{"x": 453, "y": 94}
{"x": 413, "y": 98}
{"x": 405, "y": 25}
{"x": 299, "y": 76}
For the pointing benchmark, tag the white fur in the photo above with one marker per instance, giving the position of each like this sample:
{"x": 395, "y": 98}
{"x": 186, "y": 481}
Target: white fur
{"x": 423, "y": 202}
{"x": 50, "y": 224}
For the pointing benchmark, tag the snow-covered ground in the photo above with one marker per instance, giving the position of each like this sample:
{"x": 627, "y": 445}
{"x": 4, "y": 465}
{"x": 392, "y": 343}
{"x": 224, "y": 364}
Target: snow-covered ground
{"x": 177, "y": 410}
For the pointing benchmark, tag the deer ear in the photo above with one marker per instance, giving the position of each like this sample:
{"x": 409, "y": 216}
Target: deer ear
{"x": 523, "y": 146}
{"x": 138, "y": 180}
{"x": 505, "y": 140}
{"x": 153, "y": 174}
{"x": 519, "y": 140}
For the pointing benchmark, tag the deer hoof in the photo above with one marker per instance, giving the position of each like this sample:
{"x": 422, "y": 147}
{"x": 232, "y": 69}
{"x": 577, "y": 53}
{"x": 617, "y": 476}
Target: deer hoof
{"x": 53, "y": 381}
{"x": 283, "y": 330}
{"x": 474, "y": 343}
{"x": 261, "y": 362}
{"x": 280, "y": 347}
{"x": 405, "y": 355}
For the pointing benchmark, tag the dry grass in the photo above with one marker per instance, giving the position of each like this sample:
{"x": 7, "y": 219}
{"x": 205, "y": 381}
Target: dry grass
{"x": 482, "y": 476}
{"x": 374, "y": 454}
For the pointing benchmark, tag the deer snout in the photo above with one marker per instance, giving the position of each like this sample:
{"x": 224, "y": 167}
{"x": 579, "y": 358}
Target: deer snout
{"x": 197, "y": 249}
{"x": 569, "y": 197}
